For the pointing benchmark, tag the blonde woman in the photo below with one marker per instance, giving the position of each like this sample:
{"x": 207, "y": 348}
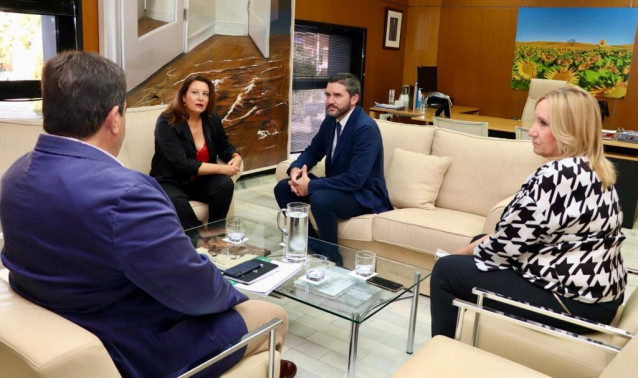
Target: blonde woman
{"x": 557, "y": 244}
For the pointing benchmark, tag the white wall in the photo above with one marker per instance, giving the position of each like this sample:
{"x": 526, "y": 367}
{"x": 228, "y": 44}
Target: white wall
{"x": 232, "y": 17}
{"x": 161, "y": 10}
{"x": 201, "y": 21}
{"x": 209, "y": 17}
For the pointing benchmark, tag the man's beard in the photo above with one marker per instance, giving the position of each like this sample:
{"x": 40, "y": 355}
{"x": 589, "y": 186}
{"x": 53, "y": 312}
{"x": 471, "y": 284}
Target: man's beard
{"x": 339, "y": 111}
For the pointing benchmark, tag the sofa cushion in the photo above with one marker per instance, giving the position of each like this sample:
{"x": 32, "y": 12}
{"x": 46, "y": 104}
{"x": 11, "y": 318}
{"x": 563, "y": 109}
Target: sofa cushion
{"x": 140, "y": 126}
{"x": 477, "y": 164}
{"x": 407, "y": 137}
{"x": 18, "y": 137}
{"x": 414, "y": 179}
{"x": 357, "y": 228}
{"x": 426, "y": 230}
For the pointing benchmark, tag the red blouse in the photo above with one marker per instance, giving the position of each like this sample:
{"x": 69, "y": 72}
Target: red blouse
{"x": 201, "y": 155}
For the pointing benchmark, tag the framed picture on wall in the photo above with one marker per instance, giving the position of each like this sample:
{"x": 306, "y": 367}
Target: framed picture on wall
{"x": 392, "y": 33}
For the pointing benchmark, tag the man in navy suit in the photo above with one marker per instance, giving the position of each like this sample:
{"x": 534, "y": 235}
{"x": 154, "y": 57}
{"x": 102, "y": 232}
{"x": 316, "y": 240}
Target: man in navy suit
{"x": 102, "y": 246}
{"x": 354, "y": 184}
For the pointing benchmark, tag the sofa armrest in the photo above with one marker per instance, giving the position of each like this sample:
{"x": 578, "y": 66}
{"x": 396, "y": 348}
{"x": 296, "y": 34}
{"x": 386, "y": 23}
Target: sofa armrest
{"x": 494, "y": 215}
{"x": 282, "y": 168}
{"x": 280, "y": 172}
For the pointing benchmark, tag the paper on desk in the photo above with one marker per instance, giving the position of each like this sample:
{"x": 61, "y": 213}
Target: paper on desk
{"x": 266, "y": 285}
{"x": 389, "y": 106}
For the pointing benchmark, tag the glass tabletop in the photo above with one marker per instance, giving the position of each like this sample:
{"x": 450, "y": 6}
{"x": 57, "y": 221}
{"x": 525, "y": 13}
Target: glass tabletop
{"x": 342, "y": 293}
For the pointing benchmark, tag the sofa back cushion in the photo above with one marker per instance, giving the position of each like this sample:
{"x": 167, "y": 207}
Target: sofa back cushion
{"x": 139, "y": 146}
{"x": 404, "y": 136}
{"x": 483, "y": 170}
{"x": 414, "y": 179}
{"x": 17, "y": 137}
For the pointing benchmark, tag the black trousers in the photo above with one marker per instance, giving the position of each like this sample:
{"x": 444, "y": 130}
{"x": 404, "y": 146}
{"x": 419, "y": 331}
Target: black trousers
{"x": 215, "y": 190}
{"x": 455, "y": 276}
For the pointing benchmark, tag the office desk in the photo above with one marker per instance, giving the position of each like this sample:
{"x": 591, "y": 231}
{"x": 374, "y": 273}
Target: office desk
{"x": 624, "y": 156}
{"x": 613, "y": 148}
{"x": 429, "y": 112}
{"x": 504, "y": 125}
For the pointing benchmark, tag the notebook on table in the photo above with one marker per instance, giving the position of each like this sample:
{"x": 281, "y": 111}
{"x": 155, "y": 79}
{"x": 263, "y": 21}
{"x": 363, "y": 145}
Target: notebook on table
{"x": 250, "y": 271}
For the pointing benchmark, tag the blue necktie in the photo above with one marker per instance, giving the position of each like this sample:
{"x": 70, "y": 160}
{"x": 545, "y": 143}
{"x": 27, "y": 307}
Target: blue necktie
{"x": 338, "y": 133}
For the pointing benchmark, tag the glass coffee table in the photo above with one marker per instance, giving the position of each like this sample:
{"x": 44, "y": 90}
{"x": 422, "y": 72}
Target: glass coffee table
{"x": 342, "y": 293}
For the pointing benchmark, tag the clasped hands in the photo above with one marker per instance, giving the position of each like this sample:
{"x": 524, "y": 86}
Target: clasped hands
{"x": 299, "y": 181}
{"x": 233, "y": 165}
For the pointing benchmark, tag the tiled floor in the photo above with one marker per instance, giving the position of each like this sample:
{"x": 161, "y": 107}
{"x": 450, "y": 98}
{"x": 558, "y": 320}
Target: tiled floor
{"x": 318, "y": 342}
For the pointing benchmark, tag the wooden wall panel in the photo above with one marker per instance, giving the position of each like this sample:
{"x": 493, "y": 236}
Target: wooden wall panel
{"x": 579, "y": 3}
{"x": 383, "y": 67}
{"x": 422, "y": 40}
{"x": 484, "y": 3}
{"x": 624, "y": 112}
{"x": 90, "y": 31}
{"x": 424, "y": 3}
{"x": 476, "y": 47}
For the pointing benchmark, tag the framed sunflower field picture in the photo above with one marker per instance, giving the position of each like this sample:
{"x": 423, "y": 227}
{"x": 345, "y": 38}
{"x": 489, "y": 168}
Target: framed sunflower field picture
{"x": 589, "y": 47}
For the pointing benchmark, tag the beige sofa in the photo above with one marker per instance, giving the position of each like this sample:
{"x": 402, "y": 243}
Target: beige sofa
{"x": 18, "y": 137}
{"x": 483, "y": 175}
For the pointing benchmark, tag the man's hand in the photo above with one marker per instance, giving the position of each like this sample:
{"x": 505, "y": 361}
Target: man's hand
{"x": 299, "y": 181}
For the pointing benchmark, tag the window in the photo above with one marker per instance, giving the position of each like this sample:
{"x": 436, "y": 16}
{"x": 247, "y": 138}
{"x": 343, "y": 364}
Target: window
{"x": 320, "y": 51}
{"x": 32, "y": 32}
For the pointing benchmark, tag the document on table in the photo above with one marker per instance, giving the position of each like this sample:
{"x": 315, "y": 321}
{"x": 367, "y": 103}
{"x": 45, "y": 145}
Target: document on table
{"x": 266, "y": 285}
{"x": 389, "y": 106}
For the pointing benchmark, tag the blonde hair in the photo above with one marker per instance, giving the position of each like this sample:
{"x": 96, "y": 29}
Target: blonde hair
{"x": 574, "y": 119}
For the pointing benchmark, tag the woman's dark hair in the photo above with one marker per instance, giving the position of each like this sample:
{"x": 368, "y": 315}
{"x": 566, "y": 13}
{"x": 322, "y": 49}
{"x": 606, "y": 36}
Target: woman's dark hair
{"x": 176, "y": 111}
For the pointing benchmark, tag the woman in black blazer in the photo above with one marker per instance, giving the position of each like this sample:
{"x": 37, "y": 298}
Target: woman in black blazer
{"x": 189, "y": 137}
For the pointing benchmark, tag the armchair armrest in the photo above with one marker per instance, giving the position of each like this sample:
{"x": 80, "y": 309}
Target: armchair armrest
{"x": 585, "y": 323}
{"x": 268, "y": 327}
{"x": 494, "y": 215}
{"x": 480, "y": 310}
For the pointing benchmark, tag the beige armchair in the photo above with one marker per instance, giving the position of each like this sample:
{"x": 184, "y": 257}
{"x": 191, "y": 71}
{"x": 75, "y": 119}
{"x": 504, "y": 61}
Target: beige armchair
{"x": 440, "y": 358}
{"x": 537, "y": 88}
{"x": 521, "y": 133}
{"x": 468, "y": 127}
{"x": 545, "y": 349}
{"x": 36, "y": 342}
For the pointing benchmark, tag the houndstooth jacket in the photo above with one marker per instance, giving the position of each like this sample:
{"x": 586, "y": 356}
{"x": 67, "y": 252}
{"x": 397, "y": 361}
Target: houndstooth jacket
{"x": 561, "y": 232}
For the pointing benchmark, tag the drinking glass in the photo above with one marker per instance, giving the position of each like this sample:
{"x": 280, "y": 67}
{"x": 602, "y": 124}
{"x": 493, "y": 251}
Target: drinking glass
{"x": 235, "y": 229}
{"x": 364, "y": 263}
{"x": 391, "y": 97}
{"x": 315, "y": 268}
